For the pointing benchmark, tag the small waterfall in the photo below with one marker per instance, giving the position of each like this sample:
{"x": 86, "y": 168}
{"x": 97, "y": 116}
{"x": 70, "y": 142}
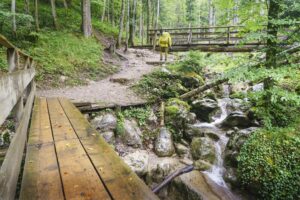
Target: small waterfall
{"x": 217, "y": 170}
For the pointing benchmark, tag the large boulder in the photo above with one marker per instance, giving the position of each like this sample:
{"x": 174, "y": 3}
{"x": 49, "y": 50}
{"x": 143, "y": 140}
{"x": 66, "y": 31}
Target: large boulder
{"x": 236, "y": 119}
{"x": 138, "y": 162}
{"x": 132, "y": 134}
{"x": 109, "y": 136}
{"x": 202, "y": 130}
{"x": 181, "y": 149}
{"x": 197, "y": 186}
{"x": 106, "y": 122}
{"x": 176, "y": 113}
{"x": 204, "y": 149}
{"x": 205, "y": 108}
{"x": 234, "y": 145}
{"x": 164, "y": 143}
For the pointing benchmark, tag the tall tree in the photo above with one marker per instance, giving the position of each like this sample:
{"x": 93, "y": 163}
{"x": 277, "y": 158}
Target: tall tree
{"x": 26, "y": 5}
{"x": 13, "y": 12}
{"x": 127, "y": 24}
{"x": 65, "y": 4}
{"x": 121, "y": 23}
{"x": 148, "y": 19}
{"x": 190, "y": 10}
{"x": 132, "y": 24}
{"x": 156, "y": 23}
{"x": 86, "y": 18}
{"x": 103, "y": 11}
{"x": 272, "y": 28}
{"x": 112, "y": 5}
{"x": 54, "y": 16}
{"x": 36, "y": 15}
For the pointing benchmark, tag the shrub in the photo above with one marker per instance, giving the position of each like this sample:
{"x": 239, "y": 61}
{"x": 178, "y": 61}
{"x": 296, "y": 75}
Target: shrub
{"x": 160, "y": 85}
{"x": 140, "y": 114}
{"x": 268, "y": 163}
{"x": 276, "y": 107}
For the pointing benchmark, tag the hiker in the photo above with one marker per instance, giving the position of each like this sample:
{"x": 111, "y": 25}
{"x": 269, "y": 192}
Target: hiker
{"x": 165, "y": 42}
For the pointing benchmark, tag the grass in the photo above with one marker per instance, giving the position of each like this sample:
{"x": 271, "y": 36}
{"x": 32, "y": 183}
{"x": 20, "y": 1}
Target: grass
{"x": 62, "y": 52}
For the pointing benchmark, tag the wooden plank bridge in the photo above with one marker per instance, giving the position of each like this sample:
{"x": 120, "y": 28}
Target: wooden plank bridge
{"x": 65, "y": 158}
{"x": 206, "y": 39}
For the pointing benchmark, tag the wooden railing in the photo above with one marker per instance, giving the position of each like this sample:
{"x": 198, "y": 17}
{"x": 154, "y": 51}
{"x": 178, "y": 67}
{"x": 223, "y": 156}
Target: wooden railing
{"x": 17, "y": 91}
{"x": 214, "y": 35}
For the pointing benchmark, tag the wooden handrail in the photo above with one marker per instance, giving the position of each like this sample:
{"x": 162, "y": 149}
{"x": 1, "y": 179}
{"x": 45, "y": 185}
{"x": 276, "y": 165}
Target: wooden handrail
{"x": 4, "y": 42}
{"x": 17, "y": 91}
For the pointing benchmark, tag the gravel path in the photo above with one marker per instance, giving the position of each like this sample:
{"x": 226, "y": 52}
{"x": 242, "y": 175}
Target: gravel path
{"x": 112, "y": 89}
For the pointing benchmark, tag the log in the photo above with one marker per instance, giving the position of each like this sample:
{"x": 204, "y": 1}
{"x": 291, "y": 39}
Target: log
{"x": 202, "y": 88}
{"x": 162, "y": 114}
{"x": 88, "y": 107}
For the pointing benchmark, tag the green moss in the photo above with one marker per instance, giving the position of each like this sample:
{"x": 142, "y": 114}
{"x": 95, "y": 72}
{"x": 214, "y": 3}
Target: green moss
{"x": 269, "y": 163}
{"x": 120, "y": 130}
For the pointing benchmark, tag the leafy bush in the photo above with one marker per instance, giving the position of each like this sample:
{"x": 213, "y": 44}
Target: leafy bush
{"x": 120, "y": 123}
{"x": 276, "y": 107}
{"x": 140, "y": 114}
{"x": 192, "y": 63}
{"x": 160, "y": 85}
{"x": 268, "y": 163}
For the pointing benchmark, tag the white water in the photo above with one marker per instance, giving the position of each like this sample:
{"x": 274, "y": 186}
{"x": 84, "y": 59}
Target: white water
{"x": 217, "y": 170}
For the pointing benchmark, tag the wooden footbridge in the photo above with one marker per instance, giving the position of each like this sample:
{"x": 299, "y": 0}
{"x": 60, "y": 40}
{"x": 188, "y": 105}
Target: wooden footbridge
{"x": 55, "y": 153}
{"x": 206, "y": 39}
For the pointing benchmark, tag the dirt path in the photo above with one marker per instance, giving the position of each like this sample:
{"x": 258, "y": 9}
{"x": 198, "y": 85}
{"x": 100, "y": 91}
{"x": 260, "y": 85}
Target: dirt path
{"x": 114, "y": 89}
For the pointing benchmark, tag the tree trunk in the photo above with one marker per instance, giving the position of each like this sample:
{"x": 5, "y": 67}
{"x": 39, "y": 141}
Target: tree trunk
{"x": 141, "y": 26}
{"x": 132, "y": 24}
{"x": 112, "y": 12}
{"x": 26, "y": 4}
{"x": 86, "y": 18}
{"x": 148, "y": 20}
{"x": 156, "y": 25}
{"x": 13, "y": 12}
{"x": 36, "y": 15}
{"x": 65, "y": 4}
{"x": 103, "y": 11}
{"x": 121, "y": 24}
{"x": 54, "y": 16}
{"x": 210, "y": 13}
{"x": 202, "y": 89}
{"x": 272, "y": 30}
{"x": 235, "y": 14}
{"x": 127, "y": 24}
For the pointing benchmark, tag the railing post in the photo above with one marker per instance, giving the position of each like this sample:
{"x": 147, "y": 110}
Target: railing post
{"x": 228, "y": 35}
{"x": 12, "y": 59}
{"x": 18, "y": 111}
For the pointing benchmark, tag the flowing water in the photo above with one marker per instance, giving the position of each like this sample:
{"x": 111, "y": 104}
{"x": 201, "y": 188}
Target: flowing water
{"x": 217, "y": 170}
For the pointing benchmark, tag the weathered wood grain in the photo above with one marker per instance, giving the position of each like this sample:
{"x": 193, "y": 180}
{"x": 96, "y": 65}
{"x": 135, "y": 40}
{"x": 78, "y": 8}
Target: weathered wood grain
{"x": 122, "y": 183}
{"x": 10, "y": 169}
{"x": 79, "y": 177}
{"x": 41, "y": 178}
{"x": 12, "y": 87}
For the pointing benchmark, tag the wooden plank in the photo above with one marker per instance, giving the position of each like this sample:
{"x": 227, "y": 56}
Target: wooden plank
{"x": 79, "y": 177}
{"x": 12, "y": 87}
{"x": 10, "y": 168}
{"x": 41, "y": 178}
{"x": 122, "y": 183}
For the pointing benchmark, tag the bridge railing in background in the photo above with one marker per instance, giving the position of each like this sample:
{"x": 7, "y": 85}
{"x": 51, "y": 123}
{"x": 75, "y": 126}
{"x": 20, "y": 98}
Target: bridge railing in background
{"x": 17, "y": 91}
{"x": 214, "y": 35}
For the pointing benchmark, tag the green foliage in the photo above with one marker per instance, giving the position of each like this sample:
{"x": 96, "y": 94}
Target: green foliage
{"x": 176, "y": 112}
{"x": 63, "y": 53}
{"x": 269, "y": 163}
{"x": 120, "y": 130}
{"x": 160, "y": 85}
{"x": 277, "y": 107}
{"x": 192, "y": 63}
{"x": 106, "y": 28}
{"x": 6, "y": 138}
{"x": 140, "y": 114}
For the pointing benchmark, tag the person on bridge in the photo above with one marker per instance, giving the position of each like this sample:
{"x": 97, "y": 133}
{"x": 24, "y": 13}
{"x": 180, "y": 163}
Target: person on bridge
{"x": 165, "y": 43}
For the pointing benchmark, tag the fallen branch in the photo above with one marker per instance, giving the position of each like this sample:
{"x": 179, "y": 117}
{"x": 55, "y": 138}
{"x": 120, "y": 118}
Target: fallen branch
{"x": 162, "y": 114}
{"x": 169, "y": 178}
{"x": 202, "y": 88}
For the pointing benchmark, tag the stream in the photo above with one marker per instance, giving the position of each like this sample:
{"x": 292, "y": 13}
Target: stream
{"x": 217, "y": 171}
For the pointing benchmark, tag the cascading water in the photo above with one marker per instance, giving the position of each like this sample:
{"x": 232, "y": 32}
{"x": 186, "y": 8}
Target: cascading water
{"x": 217, "y": 170}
